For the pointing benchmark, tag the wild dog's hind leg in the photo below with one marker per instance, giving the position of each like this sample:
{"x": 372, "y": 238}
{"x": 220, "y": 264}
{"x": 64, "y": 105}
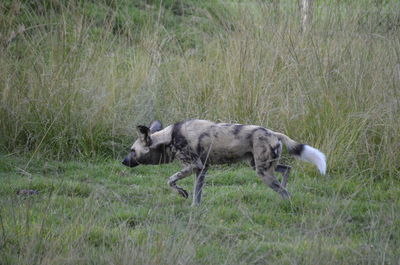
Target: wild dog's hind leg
{"x": 266, "y": 152}
{"x": 187, "y": 171}
{"x": 284, "y": 170}
{"x": 198, "y": 186}
{"x": 265, "y": 167}
{"x": 268, "y": 177}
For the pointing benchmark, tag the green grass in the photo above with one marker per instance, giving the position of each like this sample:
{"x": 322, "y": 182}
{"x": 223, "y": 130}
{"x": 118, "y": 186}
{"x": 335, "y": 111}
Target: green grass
{"x": 100, "y": 212}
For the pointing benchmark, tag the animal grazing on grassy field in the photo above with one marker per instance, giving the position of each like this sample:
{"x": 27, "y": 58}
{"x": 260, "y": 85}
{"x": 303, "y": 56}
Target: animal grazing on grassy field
{"x": 200, "y": 143}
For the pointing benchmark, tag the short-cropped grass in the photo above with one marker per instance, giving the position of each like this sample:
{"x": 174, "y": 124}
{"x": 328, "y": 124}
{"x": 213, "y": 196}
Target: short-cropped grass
{"x": 102, "y": 213}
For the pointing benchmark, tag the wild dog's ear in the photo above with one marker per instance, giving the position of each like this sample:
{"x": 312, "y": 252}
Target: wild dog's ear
{"x": 143, "y": 129}
{"x": 155, "y": 126}
{"x": 145, "y": 134}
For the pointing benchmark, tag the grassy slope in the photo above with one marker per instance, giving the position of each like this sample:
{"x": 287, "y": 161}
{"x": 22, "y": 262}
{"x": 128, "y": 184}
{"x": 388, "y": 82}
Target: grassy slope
{"x": 81, "y": 76}
{"x": 101, "y": 213}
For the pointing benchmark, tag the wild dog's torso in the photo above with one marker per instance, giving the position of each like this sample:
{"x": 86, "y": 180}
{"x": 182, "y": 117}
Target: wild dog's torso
{"x": 215, "y": 143}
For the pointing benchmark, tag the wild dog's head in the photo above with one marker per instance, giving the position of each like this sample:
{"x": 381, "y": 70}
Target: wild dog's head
{"x": 142, "y": 151}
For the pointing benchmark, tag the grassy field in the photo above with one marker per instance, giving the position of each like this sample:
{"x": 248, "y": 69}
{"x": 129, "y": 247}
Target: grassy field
{"x": 101, "y": 213}
{"x": 76, "y": 77}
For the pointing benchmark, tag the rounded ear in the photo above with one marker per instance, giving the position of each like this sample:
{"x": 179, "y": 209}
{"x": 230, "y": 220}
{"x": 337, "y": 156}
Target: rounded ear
{"x": 143, "y": 129}
{"x": 145, "y": 134}
{"x": 155, "y": 126}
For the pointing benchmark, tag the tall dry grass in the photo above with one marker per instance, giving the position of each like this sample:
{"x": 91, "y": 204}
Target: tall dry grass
{"x": 68, "y": 90}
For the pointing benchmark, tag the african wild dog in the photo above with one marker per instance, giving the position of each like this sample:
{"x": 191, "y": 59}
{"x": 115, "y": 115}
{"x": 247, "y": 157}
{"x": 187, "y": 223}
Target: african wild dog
{"x": 200, "y": 143}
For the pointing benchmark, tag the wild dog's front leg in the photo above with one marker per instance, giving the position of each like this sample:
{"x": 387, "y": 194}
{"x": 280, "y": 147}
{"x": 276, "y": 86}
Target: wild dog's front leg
{"x": 198, "y": 186}
{"x": 284, "y": 170}
{"x": 187, "y": 171}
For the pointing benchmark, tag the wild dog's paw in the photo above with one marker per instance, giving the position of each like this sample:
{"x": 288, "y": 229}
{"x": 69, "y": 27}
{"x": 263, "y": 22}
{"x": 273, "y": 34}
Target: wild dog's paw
{"x": 183, "y": 192}
{"x": 285, "y": 194}
{"x": 27, "y": 192}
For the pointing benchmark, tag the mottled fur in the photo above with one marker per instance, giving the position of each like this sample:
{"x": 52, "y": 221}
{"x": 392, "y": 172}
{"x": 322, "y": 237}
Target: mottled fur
{"x": 200, "y": 143}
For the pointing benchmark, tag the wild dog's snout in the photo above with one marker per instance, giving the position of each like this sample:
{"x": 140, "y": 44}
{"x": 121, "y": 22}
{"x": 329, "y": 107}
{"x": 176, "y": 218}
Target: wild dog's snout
{"x": 129, "y": 161}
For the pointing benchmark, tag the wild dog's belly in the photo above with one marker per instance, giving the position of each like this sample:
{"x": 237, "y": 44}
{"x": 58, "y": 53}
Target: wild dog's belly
{"x": 231, "y": 153}
{"x": 226, "y": 158}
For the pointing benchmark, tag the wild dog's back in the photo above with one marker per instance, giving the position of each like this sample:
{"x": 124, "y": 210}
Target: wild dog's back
{"x": 218, "y": 142}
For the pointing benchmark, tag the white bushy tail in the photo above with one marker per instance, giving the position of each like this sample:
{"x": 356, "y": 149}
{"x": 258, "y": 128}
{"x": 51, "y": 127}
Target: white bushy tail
{"x": 304, "y": 152}
{"x": 314, "y": 156}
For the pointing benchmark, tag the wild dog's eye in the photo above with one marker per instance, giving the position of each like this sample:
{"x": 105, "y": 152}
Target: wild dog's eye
{"x": 132, "y": 150}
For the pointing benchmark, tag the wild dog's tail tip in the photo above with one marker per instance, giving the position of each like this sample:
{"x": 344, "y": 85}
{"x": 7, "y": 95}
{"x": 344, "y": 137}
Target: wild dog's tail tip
{"x": 314, "y": 156}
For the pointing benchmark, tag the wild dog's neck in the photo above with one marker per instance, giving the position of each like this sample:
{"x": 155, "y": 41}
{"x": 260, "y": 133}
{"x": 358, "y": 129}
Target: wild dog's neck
{"x": 162, "y": 137}
{"x": 167, "y": 155}
{"x": 162, "y": 141}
